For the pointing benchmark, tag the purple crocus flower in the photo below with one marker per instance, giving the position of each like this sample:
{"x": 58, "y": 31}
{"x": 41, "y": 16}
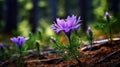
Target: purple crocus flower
{"x": 19, "y": 41}
{"x": 89, "y": 28}
{"x": 90, "y": 36}
{"x": 107, "y": 16}
{"x": 66, "y": 25}
{"x": 89, "y": 31}
{"x": 109, "y": 24}
{"x": 1, "y": 44}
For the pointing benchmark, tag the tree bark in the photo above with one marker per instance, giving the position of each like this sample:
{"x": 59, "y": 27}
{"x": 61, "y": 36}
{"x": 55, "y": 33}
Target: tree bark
{"x": 85, "y": 8}
{"x": 54, "y": 5}
{"x": 34, "y": 16}
{"x": 11, "y": 12}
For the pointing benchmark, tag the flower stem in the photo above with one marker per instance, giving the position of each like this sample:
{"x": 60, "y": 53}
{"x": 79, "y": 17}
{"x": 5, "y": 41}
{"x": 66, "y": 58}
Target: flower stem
{"x": 110, "y": 33}
{"x": 71, "y": 50}
{"x": 20, "y": 51}
{"x": 79, "y": 62}
{"x": 21, "y": 63}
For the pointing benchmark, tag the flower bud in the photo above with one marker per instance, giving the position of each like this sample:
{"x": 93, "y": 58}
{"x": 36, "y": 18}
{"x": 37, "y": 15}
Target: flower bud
{"x": 107, "y": 16}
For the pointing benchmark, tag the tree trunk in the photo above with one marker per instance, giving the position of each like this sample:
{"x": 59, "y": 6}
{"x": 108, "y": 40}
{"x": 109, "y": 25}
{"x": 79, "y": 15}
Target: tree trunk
{"x": 54, "y": 5}
{"x": 1, "y": 10}
{"x": 1, "y": 15}
{"x": 84, "y": 12}
{"x": 11, "y": 11}
{"x": 34, "y": 16}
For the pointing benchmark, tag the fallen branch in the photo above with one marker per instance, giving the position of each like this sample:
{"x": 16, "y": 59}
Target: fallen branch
{"x": 109, "y": 55}
{"x": 60, "y": 60}
{"x": 99, "y": 43}
{"x": 31, "y": 52}
{"x": 45, "y": 60}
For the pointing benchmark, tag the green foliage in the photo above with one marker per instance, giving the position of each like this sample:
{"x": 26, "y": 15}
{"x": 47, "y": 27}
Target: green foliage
{"x": 38, "y": 47}
{"x": 33, "y": 37}
{"x": 69, "y": 50}
{"x": 99, "y": 8}
{"x": 73, "y": 46}
{"x": 24, "y": 28}
{"x": 59, "y": 47}
{"x": 104, "y": 26}
{"x": 4, "y": 54}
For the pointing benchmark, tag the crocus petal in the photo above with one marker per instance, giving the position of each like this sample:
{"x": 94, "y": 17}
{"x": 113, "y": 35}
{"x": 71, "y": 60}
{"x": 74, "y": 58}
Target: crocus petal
{"x": 76, "y": 26}
{"x": 19, "y": 41}
{"x": 14, "y": 39}
{"x": 71, "y": 23}
{"x": 26, "y": 39}
{"x": 78, "y": 20}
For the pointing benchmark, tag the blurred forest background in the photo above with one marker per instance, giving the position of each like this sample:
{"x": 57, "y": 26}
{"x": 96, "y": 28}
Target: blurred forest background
{"x": 20, "y": 17}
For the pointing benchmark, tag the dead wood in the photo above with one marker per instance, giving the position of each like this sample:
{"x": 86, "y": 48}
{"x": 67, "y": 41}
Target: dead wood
{"x": 99, "y": 43}
{"x": 45, "y": 60}
{"x": 109, "y": 55}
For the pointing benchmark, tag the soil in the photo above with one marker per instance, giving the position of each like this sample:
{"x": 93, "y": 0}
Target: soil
{"x": 88, "y": 58}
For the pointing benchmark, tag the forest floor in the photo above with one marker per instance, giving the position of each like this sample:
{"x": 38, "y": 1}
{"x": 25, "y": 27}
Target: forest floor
{"x": 105, "y": 56}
